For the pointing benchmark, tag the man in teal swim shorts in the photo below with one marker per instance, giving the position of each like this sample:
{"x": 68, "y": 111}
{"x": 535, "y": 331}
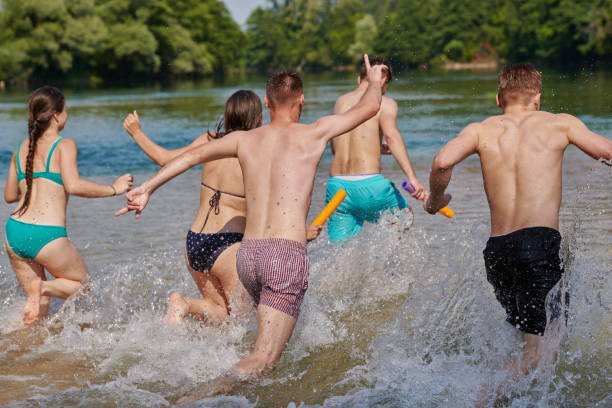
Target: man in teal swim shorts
{"x": 356, "y": 165}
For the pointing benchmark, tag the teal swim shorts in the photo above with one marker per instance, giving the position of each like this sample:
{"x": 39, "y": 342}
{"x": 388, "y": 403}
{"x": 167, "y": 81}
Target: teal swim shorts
{"x": 366, "y": 199}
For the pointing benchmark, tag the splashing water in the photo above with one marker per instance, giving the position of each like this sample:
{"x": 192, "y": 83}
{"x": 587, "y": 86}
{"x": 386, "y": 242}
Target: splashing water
{"x": 390, "y": 319}
{"x": 448, "y": 338}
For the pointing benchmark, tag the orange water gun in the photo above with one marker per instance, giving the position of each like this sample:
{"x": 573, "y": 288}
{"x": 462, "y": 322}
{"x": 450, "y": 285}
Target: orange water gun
{"x": 330, "y": 208}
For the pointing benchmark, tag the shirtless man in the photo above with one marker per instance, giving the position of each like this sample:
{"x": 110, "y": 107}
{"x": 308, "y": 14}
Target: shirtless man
{"x": 279, "y": 163}
{"x": 521, "y": 155}
{"x": 356, "y": 165}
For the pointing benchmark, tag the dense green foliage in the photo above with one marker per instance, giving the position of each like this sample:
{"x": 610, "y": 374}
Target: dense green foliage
{"x": 111, "y": 38}
{"x": 326, "y": 33}
{"x": 161, "y": 38}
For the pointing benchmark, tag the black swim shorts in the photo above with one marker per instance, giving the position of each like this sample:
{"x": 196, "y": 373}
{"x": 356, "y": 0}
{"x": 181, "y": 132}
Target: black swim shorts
{"x": 523, "y": 267}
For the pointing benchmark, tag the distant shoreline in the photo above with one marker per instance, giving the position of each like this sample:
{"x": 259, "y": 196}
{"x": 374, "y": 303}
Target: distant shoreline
{"x": 478, "y": 65}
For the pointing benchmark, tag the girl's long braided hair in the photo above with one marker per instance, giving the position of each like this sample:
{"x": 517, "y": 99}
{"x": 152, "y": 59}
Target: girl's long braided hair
{"x": 42, "y": 105}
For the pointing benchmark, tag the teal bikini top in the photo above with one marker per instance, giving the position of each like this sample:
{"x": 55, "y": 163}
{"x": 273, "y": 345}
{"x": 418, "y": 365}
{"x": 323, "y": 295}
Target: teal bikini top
{"x": 54, "y": 177}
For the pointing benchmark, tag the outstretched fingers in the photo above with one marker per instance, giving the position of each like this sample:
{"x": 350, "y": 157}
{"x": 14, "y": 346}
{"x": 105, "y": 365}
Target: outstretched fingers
{"x": 130, "y": 207}
{"x": 131, "y": 122}
{"x": 366, "y": 61}
{"x": 122, "y": 211}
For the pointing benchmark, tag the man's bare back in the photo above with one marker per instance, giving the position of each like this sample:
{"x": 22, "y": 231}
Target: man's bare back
{"x": 521, "y": 156}
{"x": 279, "y": 165}
{"x": 358, "y": 151}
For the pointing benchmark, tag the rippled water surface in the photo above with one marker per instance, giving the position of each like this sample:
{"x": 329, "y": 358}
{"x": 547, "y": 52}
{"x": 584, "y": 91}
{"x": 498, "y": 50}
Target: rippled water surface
{"x": 390, "y": 319}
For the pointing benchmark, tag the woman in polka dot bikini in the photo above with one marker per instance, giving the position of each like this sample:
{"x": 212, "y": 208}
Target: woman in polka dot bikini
{"x": 216, "y": 232}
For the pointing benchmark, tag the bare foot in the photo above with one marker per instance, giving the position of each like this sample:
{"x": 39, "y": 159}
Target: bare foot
{"x": 31, "y": 310}
{"x": 177, "y": 309}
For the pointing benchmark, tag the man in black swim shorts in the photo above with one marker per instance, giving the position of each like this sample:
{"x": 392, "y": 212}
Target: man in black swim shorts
{"x": 521, "y": 156}
{"x": 523, "y": 267}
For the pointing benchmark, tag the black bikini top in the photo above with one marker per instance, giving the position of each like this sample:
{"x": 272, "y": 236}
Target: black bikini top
{"x": 214, "y": 201}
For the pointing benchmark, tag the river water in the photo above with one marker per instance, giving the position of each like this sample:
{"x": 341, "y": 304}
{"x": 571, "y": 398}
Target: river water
{"x": 390, "y": 319}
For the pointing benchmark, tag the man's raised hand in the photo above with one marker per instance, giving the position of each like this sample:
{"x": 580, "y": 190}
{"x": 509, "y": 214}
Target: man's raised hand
{"x": 376, "y": 73}
{"x": 132, "y": 123}
{"x": 137, "y": 200}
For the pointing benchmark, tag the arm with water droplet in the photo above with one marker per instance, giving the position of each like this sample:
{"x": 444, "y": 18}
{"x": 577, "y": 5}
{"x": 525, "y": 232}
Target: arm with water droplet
{"x": 596, "y": 146}
{"x": 11, "y": 188}
{"x": 138, "y": 198}
{"x": 455, "y": 151}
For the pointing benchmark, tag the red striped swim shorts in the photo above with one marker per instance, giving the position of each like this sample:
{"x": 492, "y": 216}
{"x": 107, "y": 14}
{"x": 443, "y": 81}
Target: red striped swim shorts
{"x": 275, "y": 272}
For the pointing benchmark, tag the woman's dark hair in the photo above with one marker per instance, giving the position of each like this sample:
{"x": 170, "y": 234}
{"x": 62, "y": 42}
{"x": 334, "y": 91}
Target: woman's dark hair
{"x": 42, "y": 105}
{"x": 242, "y": 112}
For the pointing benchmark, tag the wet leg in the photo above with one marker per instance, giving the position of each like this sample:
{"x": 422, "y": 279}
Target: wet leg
{"x": 529, "y": 360}
{"x": 225, "y": 269}
{"x": 531, "y": 353}
{"x": 273, "y": 332}
{"x": 204, "y": 309}
{"x": 177, "y": 309}
{"x": 63, "y": 261}
{"x": 30, "y": 277}
{"x": 213, "y": 306}
{"x": 517, "y": 369}
{"x": 44, "y": 302}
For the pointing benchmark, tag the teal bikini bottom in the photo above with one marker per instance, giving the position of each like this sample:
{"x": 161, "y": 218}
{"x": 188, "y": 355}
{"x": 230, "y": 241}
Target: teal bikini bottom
{"x": 26, "y": 240}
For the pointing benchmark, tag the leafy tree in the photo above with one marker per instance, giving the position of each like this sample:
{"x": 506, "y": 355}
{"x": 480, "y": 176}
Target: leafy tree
{"x": 365, "y": 33}
{"x": 342, "y": 23}
{"x": 209, "y": 22}
{"x": 111, "y": 38}
{"x": 598, "y": 27}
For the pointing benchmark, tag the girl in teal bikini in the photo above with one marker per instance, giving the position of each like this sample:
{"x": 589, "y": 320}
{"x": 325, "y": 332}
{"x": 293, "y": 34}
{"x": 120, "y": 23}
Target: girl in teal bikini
{"x": 42, "y": 174}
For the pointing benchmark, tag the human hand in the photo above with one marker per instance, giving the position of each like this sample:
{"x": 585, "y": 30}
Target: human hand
{"x": 376, "y": 73}
{"x": 137, "y": 200}
{"x": 434, "y": 203}
{"x": 313, "y": 231}
{"x": 132, "y": 123}
{"x": 123, "y": 184}
{"x": 384, "y": 148}
{"x": 419, "y": 190}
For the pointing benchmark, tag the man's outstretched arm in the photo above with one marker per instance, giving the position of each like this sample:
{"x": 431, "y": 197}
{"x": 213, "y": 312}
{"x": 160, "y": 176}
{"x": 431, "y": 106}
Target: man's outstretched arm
{"x": 331, "y": 126}
{"x": 596, "y": 146}
{"x": 397, "y": 147}
{"x": 465, "y": 144}
{"x": 214, "y": 150}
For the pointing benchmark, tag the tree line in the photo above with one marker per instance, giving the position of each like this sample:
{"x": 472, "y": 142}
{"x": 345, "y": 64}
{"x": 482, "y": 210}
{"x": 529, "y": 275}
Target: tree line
{"x": 328, "y": 33}
{"x": 168, "y": 38}
{"x": 117, "y": 38}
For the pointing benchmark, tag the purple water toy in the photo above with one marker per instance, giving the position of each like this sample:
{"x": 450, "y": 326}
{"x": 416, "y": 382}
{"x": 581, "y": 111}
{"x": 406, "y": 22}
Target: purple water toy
{"x": 408, "y": 187}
